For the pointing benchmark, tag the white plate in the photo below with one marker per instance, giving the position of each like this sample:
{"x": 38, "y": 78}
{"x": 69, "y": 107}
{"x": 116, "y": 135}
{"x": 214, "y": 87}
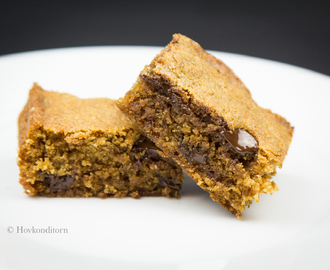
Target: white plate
{"x": 289, "y": 230}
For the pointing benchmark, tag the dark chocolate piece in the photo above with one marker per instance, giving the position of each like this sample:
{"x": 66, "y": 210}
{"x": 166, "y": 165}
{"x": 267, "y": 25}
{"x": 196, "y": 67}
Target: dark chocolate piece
{"x": 145, "y": 143}
{"x": 56, "y": 183}
{"x": 242, "y": 141}
{"x": 164, "y": 182}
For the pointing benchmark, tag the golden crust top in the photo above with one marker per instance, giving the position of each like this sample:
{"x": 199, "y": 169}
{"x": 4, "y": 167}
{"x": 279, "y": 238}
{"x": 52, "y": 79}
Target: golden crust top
{"x": 185, "y": 65}
{"x": 64, "y": 113}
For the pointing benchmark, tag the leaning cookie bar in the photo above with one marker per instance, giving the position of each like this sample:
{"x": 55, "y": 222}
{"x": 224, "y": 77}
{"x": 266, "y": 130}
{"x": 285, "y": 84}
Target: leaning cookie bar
{"x": 71, "y": 147}
{"x": 201, "y": 115}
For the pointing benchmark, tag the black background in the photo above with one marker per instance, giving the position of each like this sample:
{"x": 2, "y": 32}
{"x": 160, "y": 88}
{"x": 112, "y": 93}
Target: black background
{"x": 294, "y": 32}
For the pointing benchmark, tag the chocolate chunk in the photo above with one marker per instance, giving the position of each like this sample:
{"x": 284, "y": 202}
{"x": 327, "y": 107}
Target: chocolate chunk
{"x": 145, "y": 143}
{"x": 164, "y": 182}
{"x": 56, "y": 183}
{"x": 242, "y": 141}
{"x": 192, "y": 154}
{"x": 148, "y": 146}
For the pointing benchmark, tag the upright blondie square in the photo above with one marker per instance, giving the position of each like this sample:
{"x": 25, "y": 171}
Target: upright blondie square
{"x": 71, "y": 147}
{"x": 201, "y": 115}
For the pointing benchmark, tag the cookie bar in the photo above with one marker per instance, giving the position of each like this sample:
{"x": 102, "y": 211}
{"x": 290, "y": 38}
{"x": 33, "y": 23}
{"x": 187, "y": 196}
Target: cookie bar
{"x": 201, "y": 115}
{"x": 71, "y": 147}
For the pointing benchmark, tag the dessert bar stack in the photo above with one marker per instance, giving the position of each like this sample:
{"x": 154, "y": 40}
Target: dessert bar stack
{"x": 187, "y": 110}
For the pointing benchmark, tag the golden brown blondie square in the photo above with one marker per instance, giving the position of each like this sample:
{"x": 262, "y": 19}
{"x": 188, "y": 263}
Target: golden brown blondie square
{"x": 71, "y": 147}
{"x": 201, "y": 115}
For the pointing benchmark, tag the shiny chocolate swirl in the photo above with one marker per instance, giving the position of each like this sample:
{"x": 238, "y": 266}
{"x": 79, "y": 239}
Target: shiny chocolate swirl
{"x": 242, "y": 142}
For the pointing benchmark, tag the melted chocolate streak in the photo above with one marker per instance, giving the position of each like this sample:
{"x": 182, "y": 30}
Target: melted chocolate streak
{"x": 164, "y": 182}
{"x": 241, "y": 142}
{"x": 151, "y": 149}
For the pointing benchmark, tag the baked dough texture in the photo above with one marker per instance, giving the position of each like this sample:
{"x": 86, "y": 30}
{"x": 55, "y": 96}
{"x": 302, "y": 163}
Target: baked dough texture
{"x": 71, "y": 147}
{"x": 194, "y": 108}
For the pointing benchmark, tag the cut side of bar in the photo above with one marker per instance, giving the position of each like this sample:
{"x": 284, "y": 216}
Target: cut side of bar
{"x": 71, "y": 147}
{"x": 201, "y": 115}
